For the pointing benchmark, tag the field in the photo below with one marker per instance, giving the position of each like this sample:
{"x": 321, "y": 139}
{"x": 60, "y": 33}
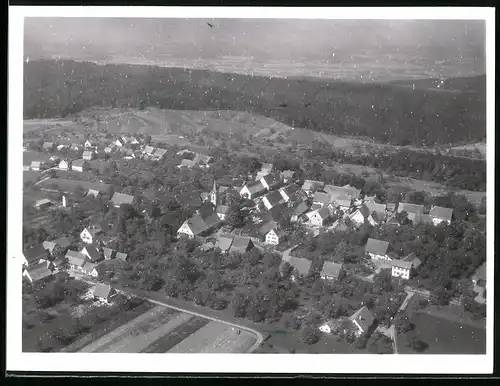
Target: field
{"x": 67, "y": 185}
{"x": 163, "y": 330}
{"x": 444, "y": 336}
{"x": 30, "y": 175}
{"x": 29, "y": 156}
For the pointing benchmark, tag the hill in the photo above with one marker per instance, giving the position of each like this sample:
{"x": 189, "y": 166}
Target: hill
{"x": 386, "y": 113}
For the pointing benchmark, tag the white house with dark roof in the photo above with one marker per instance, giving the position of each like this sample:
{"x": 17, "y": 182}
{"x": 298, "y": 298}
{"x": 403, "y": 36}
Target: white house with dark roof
{"x": 377, "y": 249}
{"x": 37, "y": 272}
{"x": 300, "y": 265}
{"x": 275, "y": 236}
{"x": 288, "y": 192}
{"x": 343, "y": 203}
{"x": 441, "y": 214}
{"x": 79, "y": 165}
{"x": 90, "y": 269}
{"x": 197, "y": 225}
{"x": 401, "y": 268}
{"x": 88, "y": 155}
{"x": 323, "y": 199}
{"x": 414, "y": 211}
{"x": 93, "y": 193}
{"x": 361, "y": 216}
{"x": 252, "y": 190}
{"x": 287, "y": 175}
{"x": 42, "y": 204}
{"x": 272, "y": 199}
{"x": 103, "y": 292}
{"x": 65, "y": 165}
{"x": 222, "y": 211}
{"x": 318, "y": 217}
{"x": 271, "y": 181}
{"x": 362, "y": 319}
{"x": 76, "y": 260}
{"x": 93, "y": 252}
{"x": 38, "y": 165}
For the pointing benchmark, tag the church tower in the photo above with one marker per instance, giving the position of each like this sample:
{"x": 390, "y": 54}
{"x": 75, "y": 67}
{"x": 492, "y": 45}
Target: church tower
{"x": 213, "y": 194}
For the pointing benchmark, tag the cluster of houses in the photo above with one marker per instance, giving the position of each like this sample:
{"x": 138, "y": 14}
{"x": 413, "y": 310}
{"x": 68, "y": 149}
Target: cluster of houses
{"x": 191, "y": 159}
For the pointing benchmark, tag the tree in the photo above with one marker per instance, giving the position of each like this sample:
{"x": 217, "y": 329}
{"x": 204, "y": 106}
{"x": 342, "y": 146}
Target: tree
{"x": 310, "y": 335}
{"x": 418, "y": 345}
{"x": 403, "y": 323}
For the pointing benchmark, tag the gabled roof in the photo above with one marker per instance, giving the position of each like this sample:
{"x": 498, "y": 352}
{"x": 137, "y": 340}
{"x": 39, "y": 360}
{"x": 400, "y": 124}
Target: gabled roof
{"x": 93, "y": 192}
{"x": 196, "y": 224}
{"x": 222, "y": 209}
{"x": 410, "y": 208}
{"x": 159, "y": 152}
{"x": 303, "y": 266}
{"x": 240, "y": 244}
{"x": 188, "y": 163}
{"x": 48, "y": 145}
{"x": 255, "y": 187}
{"x": 266, "y": 166}
{"x": 363, "y": 317}
{"x": 343, "y": 201}
{"x": 323, "y": 213}
{"x": 374, "y": 207}
{"x": 79, "y": 163}
{"x": 274, "y": 197}
{"x": 39, "y": 271}
{"x": 331, "y": 269}
{"x": 49, "y": 245}
{"x": 88, "y": 267}
{"x": 121, "y": 256}
{"x": 202, "y": 158}
{"x": 63, "y": 242}
{"x": 346, "y": 190}
{"x": 441, "y": 213}
{"x": 76, "y": 258}
{"x": 95, "y": 230}
{"x": 287, "y": 173}
{"x": 120, "y": 199}
{"x": 211, "y": 220}
{"x": 401, "y": 264}
{"x": 480, "y": 273}
{"x": 87, "y": 153}
{"x": 272, "y": 179}
{"x": 108, "y": 253}
{"x": 224, "y": 243}
{"x": 149, "y": 150}
{"x": 35, "y": 253}
{"x": 311, "y": 184}
{"x": 102, "y": 290}
{"x": 301, "y": 209}
{"x": 93, "y": 252}
{"x": 377, "y": 247}
{"x": 323, "y": 198}
{"x": 266, "y": 227}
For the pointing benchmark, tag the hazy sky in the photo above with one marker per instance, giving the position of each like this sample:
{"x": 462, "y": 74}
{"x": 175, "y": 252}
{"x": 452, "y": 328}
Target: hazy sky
{"x": 264, "y": 39}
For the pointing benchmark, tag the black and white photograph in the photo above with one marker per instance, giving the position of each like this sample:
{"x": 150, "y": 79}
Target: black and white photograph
{"x": 251, "y": 182}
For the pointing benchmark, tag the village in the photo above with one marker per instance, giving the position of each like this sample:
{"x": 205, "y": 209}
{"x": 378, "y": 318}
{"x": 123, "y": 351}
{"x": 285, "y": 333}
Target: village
{"x": 270, "y": 211}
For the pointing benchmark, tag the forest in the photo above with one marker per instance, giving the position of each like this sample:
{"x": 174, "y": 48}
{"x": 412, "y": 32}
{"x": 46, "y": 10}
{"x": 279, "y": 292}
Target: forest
{"x": 387, "y": 113}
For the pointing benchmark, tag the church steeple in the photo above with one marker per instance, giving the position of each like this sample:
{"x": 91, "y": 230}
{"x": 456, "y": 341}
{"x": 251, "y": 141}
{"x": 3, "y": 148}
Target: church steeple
{"x": 213, "y": 194}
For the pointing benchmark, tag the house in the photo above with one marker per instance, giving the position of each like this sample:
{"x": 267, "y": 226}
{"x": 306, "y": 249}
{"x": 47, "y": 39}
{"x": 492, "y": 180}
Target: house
{"x": 202, "y": 159}
{"x": 121, "y": 256}
{"x": 272, "y": 199}
{"x": 377, "y": 249}
{"x": 322, "y": 199}
{"x": 310, "y": 185}
{"x": 343, "y": 203}
{"x": 90, "y": 269}
{"x": 222, "y": 211}
{"x": 275, "y": 236}
{"x": 224, "y": 243}
{"x": 35, "y": 255}
{"x": 57, "y": 245}
{"x": 289, "y": 192}
{"x": 318, "y": 217}
{"x": 119, "y": 199}
{"x": 414, "y": 211}
{"x": 241, "y": 244}
{"x": 48, "y": 146}
{"x": 266, "y": 168}
{"x": 266, "y": 227}
{"x": 331, "y": 270}
{"x": 186, "y": 163}
{"x": 345, "y": 190}
{"x": 65, "y": 165}
{"x": 60, "y": 147}
{"x": 207, "y": 246}
{"x": 88, "y": 144}
{"x": 362, "y": 216}
{"x": 119, "y": 143}
{"x": 75, "y": 147}
{"x": 189, "y": 199}
{"x": 93, "y": 252}
{"x": 379, "y": 209}
{"x": 88, "y": 155}
{"x": 197, "y": 225}
{"x": 108, "y": 150}
{"x": 253, "y": 189}
{"x": 133, "y": 140}
{"x": 88, "y": 235}
{"x": 362, "y": 319}
{"x": 93, "y": 193}
{"x": 299, "y": 211}
{"x": 103, "y": 292}
{"x": 159, "y": 154}
{"x": 440, "y": 214}
{"x": 148, "y": 150}
{"x": 287, "y": 175}
{"x": 401, "y": 268}
{"x": 80, "y": 165}
{"x": 271, "y": 181}
{"x": 76, "y": 260}
{"x": 391, "y": 207}
{"x": 42, "y": 204}
{"x": 300, "y": 265}
{"x": 38, "y": 272}
{"x": 328, "y": 327}
{"x": 479, "y": 276}
{"x": 38, "y": 165}
{"x": 260, "y": 175}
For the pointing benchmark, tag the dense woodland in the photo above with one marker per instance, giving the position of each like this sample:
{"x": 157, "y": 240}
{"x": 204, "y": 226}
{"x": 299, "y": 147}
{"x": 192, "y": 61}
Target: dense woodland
{"x": 387, "y": 113}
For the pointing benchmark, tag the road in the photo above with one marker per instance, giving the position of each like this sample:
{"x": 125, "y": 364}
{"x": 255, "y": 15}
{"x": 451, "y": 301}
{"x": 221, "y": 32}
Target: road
{"x": 190, "y": 308}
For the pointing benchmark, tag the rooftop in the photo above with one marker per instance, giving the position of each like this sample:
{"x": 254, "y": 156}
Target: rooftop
{"x": 120, "y": 199}
{"x": 377, "y": 247}
{"x": 442, "y": 213}
{"x": 331, "y": 269}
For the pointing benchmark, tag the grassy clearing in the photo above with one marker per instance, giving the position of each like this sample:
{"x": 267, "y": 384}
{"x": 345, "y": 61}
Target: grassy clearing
{"x": 31, "y": 176}
{"x": 29, "y": 156}
{"x": 442, "y": 336}
{"x": 216, "y": 337}
{"x": 67, "y": 185}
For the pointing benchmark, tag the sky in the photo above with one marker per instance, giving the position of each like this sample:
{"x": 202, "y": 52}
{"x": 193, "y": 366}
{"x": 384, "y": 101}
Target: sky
{"x": 262, "y": 40}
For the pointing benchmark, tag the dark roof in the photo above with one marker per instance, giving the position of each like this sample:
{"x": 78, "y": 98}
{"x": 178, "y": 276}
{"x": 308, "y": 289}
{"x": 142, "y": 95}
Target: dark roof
{"x": 62, "y": 242}
{"x": 402, "y": 264}
{"x": 88, "y": 267}
{"x": 222, "y": 209}
{"x": 76, "y": 258}
{"x": 93, "y": 251}
{"x": 266, "y": 227}
{"x": 272, "y": 179}
{"x": 374, "y": 207}
{"x": 331, "y": 269}
{"x": 377, "y": 247}
{"x": 365, "y": 211}
{"x": 241, "y": 244}
{"x": 301, "y": 209}
{"x": 480, "y": 273}
{"x": 35, "y": 253}
{"x": 211, "y": 220}
{"x": 39, "y": 271}
{"x": 441, "y": 213}
{"x": 189, "y": 198}
{"x": 303, "y": 266}
{"x": 343, "y": 201}
{"x": 410, "y": 208}
{"x": 108, "y": 253}
{"x": 79, "y": 162}
{"x": 255, "y": 187}
{"x": 224, "y": 243}
{"x": 311, "y": 184}
{"x": 102, "y": 290}
{"x": 363, "y": 317}
{"x": 324, "y": 212}
{"x": 321, "y": 197}
{"x": 120, "y": 198}
{"x": 274, "y": 198}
